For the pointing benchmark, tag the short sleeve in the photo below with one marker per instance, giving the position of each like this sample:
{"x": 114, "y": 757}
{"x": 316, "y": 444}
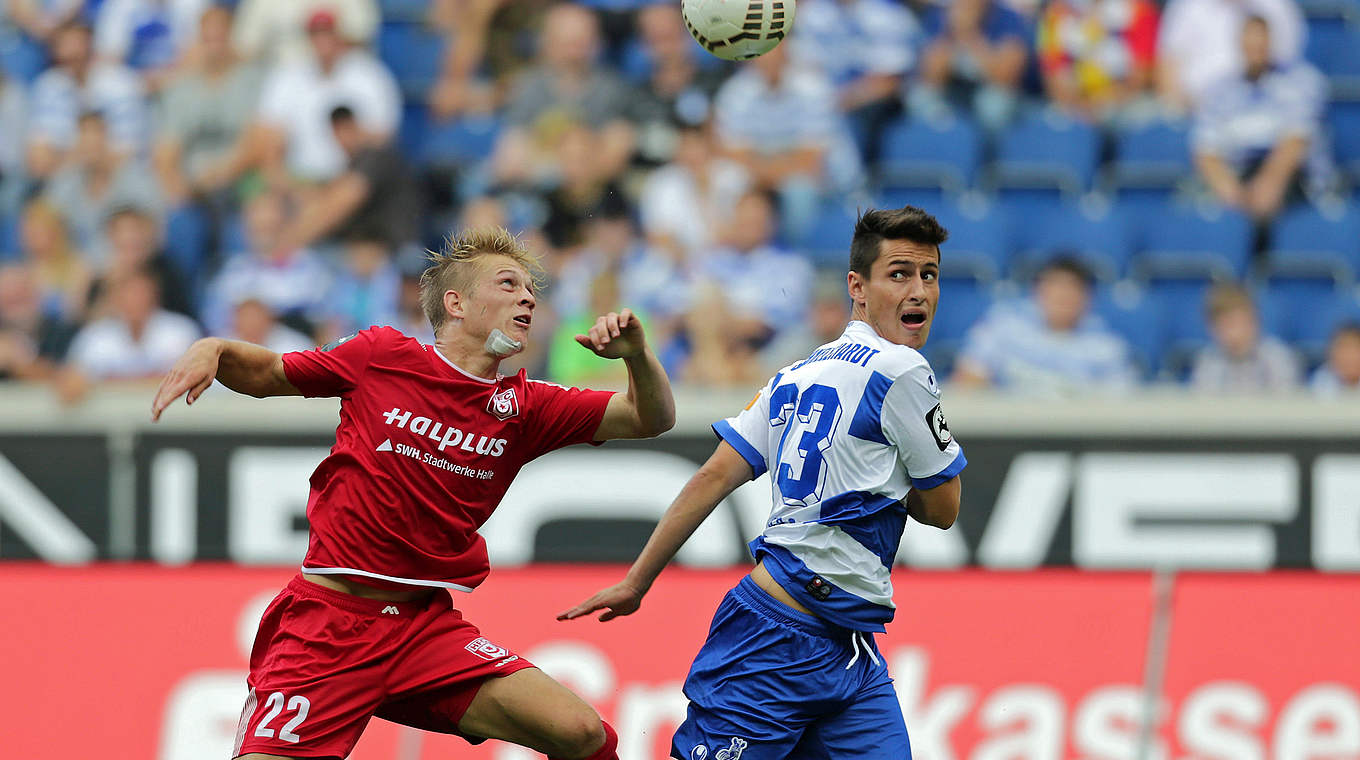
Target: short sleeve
{"x": 333, "y": 369}
{"x": 914, "y": 422}
{"x": 561, "y": 416}
{"x": 749, "y": 431}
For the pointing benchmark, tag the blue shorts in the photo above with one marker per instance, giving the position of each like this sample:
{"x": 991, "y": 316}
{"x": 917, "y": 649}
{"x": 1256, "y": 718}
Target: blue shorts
{"x": 772, "y": 683}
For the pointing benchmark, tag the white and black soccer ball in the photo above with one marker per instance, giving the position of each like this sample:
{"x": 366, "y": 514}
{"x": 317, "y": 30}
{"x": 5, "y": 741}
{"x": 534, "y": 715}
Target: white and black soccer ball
{"x": 737, "y": 30}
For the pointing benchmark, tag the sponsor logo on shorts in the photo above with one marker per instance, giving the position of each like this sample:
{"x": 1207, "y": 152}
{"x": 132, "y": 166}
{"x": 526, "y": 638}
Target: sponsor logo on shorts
{"x": 731, "y": 751}
{"x": 700, "y": 752}
{"x": 486, "y": 650}
{"x": 391, "y": 609}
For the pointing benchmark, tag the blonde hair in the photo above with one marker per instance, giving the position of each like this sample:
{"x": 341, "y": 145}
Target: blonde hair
{"x": 1227, "y": 297}
{"x": 455, "y": 267}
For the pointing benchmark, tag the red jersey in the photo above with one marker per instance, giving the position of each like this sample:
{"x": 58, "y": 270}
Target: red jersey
{"x": 423, "y": 454}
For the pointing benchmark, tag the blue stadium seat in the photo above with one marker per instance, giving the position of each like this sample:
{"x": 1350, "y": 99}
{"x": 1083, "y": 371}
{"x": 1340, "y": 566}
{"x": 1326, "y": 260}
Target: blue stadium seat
{"x": 977, "y": 245}
{"x": 460, "y": 142}
{"x": 917, "y": 153}
{"x": 1308, "y": 242}
{"x": 1185, "y": 327}
{"x": 21, "y": 58}
{"x": 1099, "y": 238}
{"x": 1305, "y": 312}
{"x": 404, "y": 10}
{"x": 1344, "y": 119}
{"x": 927, "y": 198}
{"x": 1184, "y": 243}
{"x": 1328, "y": 36}
{"x": 186, "y": 239}
{"x": 1046, "y": 151}
{"x": 9, "y": 237}
{"x": 1345, "y": 71}
{"x": 412, "y": 130}
{"x": 827, "y": 241}
{"x": 1156, "y": 156}
{"x": 1129, "y": 311}
{"x": 963, "y": 301}
{"x": 414, "y": 54}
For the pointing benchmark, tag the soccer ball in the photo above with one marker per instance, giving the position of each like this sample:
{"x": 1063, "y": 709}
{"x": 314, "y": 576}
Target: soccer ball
{"x": 736, "y": 30}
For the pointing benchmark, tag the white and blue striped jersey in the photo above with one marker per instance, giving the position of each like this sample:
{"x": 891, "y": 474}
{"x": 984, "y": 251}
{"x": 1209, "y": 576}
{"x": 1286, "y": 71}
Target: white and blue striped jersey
{"x": 844, "y": 434}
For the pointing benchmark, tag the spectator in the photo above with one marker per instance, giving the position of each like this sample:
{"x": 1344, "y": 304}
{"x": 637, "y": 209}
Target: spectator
{"x": 1049, "y": 344}
{"x": 1098, "y": 56}
{"x": 150, "y": 36}
{"x": 674, "y": 89}
{"x": 293, "y": 282}
{"x": 765, "y": 289}
{"x": 77, "y": 85}
{"x": 1200, "y": 43}
{"x": 41, "y": 19}
{"x": 276, "y": 32}
{"x": 974, "y": 61}
{"x": 136, "y": 244}
{"x": 827, "y": 315}
{"x": 866, "y": 47}
{"x": 13, "y": 122}
{"x": 781, "y": 123}
{"x": 299, "y": 95}
{"x": 571, "y": 365}
{"x": 1256, "y": 132}
{"x": 1340, "y": 375}
{"x": 139, "y": 340}
{"x": 204, "y": 113}
{"x": 582, "y": 187}
{"x": 366, "y": 291}
{"x": 565, "y": 88}
{"x": 31, "y": 340}
{"x": 97, "y": 179}
{"x": 461, "y": 87}
{"x": 59, "y": 273}
{"x": 373, "y": 200}
{"x": 254, "y": 322}
{"x": 711, "y": 355}
{"x": 1241, "y": 360}
{"x": 685, "y": 203}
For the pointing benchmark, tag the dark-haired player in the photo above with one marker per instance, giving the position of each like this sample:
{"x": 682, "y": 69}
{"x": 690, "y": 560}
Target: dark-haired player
{"x": 855, "y": 443}
{"x": 430, "y": 438}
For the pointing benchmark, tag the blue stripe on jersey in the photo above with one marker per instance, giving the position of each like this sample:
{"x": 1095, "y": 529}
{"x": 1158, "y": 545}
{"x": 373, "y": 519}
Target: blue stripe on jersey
{"x": 748, "y": 452}
{"x": 874, "y": 520}
{"x": 955, "y": 467}
{"x": 868, "y": 423}
{"x": 840, "y": 608}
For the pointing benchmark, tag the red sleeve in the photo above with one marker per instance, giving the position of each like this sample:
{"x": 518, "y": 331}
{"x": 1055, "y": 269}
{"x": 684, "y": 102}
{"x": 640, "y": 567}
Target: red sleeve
{"x": 564, "y": 416}
{"x": 335, "y": 368}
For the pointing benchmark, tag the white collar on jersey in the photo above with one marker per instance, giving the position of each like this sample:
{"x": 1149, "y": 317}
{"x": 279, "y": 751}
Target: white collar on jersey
{"x": 438, "y": 353}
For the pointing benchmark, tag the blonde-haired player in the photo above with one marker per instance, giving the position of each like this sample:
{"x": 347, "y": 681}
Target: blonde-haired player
{"x": 430, "y": 438}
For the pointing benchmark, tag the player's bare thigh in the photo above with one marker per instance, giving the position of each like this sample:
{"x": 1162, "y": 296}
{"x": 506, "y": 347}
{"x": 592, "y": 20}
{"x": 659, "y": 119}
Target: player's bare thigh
{"x": 531, "y": 709}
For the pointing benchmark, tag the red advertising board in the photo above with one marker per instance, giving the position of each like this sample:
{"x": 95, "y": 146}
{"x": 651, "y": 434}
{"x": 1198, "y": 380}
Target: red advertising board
{"x": 149, "y": 662}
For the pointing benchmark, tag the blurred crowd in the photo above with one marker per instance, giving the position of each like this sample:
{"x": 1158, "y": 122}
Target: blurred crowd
{"x": 1138, "y": 193}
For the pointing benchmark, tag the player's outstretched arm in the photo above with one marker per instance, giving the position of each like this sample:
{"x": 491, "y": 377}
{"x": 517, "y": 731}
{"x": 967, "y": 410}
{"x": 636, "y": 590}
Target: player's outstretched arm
{"x": 719, "y": 476}
{"x": 648, "y": 408}
{"x": 938, "y": 506}
{"x": 242, "y": 367}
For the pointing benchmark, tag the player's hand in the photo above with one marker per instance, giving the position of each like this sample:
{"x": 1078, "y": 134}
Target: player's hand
{"x": 191, "y": 375}
{"x": 616, "y": 335}
{"x": 617, "y": 600}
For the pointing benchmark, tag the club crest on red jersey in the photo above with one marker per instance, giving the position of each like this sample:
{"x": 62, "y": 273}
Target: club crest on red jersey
{"x": 503, "y": 404}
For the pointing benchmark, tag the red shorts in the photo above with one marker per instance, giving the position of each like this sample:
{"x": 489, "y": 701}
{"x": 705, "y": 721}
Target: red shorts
{"x": 324, "y": 662}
